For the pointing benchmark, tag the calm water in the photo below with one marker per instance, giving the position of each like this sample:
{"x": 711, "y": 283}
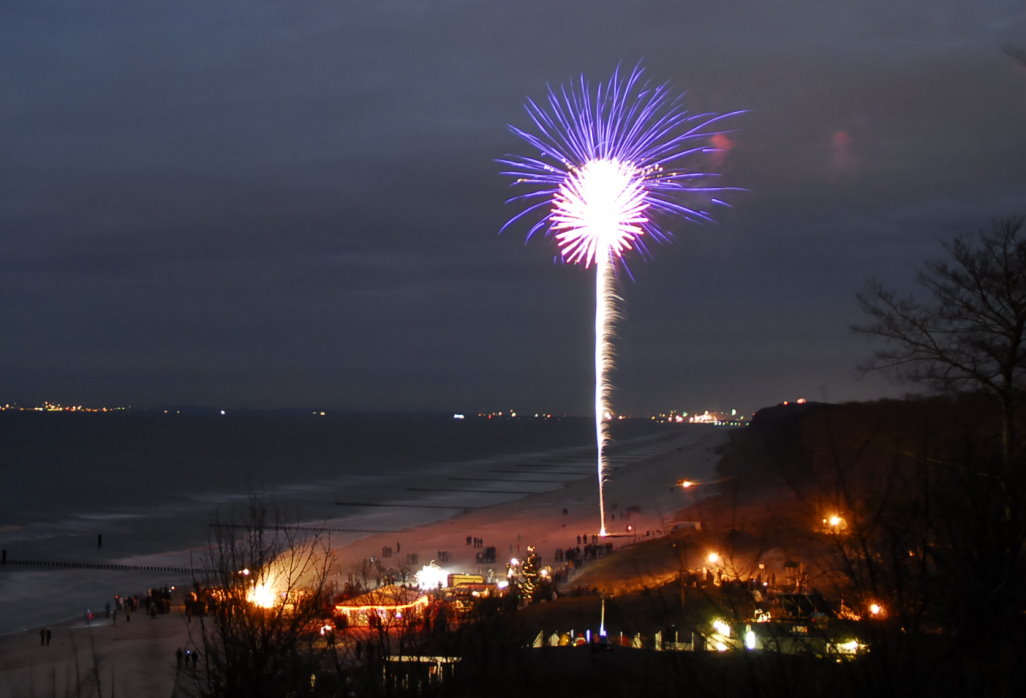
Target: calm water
{"x": 150, "y": 484}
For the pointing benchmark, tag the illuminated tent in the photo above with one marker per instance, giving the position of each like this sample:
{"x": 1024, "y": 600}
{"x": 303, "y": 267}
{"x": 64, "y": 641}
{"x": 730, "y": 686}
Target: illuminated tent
{"x": 385, "y": 604}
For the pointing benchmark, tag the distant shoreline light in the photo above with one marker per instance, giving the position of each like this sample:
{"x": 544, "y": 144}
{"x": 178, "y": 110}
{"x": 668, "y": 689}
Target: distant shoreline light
{"x": 715, "y": 417}
{"x": 57, "y": 407}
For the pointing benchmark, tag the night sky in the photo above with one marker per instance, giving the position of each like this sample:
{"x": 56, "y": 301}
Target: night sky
{"x": 295, "y": 203}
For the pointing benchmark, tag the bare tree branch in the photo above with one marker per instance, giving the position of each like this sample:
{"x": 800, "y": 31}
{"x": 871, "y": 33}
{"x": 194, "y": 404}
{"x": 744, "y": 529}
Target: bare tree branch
{"x": 970, "y": 331}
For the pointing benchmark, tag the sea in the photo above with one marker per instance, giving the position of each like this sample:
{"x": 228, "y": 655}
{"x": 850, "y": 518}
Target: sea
{"x": 111, "y": 497}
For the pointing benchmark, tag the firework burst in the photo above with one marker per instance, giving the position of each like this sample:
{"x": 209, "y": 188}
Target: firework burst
{"x": 612, "y": 162}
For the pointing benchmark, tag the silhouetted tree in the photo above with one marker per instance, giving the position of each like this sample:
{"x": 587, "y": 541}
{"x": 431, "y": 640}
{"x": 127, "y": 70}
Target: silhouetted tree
{"x": 262, "y": 610}
{"x": 970, "y": 331}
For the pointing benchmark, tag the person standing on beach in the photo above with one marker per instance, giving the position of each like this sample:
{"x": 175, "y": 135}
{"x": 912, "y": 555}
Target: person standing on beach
{"x": 48, "y": 634}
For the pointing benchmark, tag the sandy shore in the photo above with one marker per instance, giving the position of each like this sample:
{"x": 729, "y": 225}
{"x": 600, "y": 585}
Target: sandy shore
{"x": 138, "y": 658}
{"x": 640, "y": 495}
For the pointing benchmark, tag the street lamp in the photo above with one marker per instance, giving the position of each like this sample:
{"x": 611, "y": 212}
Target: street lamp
{"x": 835, "y": 523}
{"x": 687, "y": 484}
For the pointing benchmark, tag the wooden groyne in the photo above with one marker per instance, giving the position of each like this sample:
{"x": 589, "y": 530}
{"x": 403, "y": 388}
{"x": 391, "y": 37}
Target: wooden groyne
{"x": 114, "y": 566}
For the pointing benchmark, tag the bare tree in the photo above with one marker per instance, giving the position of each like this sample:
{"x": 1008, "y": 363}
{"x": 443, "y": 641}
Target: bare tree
{"x": 970, "y": 331}
{"x": 923, "y": 534}
{"x": 901, "y": 510}
{"x": 261, "y": 611}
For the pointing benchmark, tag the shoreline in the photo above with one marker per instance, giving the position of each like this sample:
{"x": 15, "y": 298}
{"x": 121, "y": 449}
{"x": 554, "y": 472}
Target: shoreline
{"x": 632, "y": 498}
{"x": 470, "y": 485}
{"x": 158, "y": 515}
{"x": 138, "y": 656}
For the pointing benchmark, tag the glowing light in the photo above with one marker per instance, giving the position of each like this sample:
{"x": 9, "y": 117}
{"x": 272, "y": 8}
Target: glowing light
{"x": 721, "y": 627}
{"x": 749, "y": 638}
{"x": 610, "y": 162}
{"x": 876, "y": 610}
{"x": 388, "y": 602}
{"x": 835, "y": 523}
{"x": 605, "y": 314}
{"x": 431, "y": 576}
{"x": 262, "y": 595}
{"x": 849, "y": 647}
{"x": 686, "y": 483}
{"x": 713, "y": 558}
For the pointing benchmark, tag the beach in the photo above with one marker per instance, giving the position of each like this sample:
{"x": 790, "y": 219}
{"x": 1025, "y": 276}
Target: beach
{"x": 138, "y": 657}
{"x": 97, "y": 505}
{"x": 639, "y": 494}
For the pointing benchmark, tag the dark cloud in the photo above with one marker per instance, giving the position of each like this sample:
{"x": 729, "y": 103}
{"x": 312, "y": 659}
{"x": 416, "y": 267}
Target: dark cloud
{"x": 261, "y": 202}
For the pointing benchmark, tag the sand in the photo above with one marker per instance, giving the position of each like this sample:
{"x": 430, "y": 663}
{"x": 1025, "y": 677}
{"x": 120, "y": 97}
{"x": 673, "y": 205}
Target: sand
{"x": 137, "y": 658}
{"x": 641, "y": 495}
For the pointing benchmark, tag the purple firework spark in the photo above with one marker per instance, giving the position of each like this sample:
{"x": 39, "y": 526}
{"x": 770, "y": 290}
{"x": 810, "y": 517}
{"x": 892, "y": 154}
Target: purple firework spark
{"x": 609, "y": 161}
{"x": 639, "y": 138}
